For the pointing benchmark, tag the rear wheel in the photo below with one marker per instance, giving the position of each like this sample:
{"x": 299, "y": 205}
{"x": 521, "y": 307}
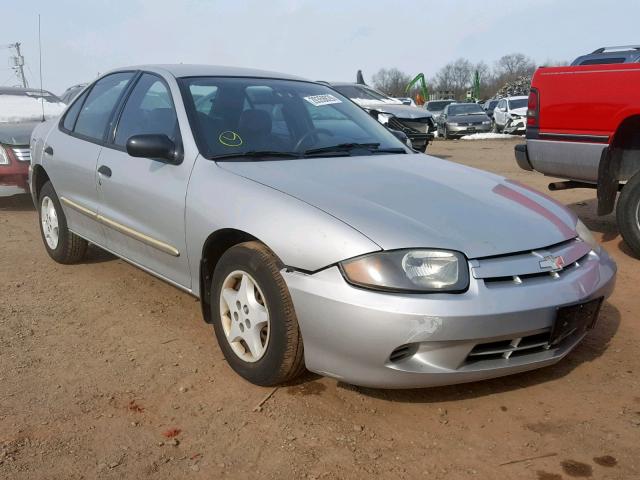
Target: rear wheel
{"x": 253, "y": 316}
{"x": 628, "y": 214}
{"x": 61, "y": 244}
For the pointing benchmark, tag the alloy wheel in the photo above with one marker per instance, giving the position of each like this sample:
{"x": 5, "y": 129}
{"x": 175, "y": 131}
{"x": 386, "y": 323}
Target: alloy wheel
{"x": 244, "y": 315}
{"x": 49, "y": 219}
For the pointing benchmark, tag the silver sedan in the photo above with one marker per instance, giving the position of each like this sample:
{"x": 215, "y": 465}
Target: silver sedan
{"x": 311, "y": 234}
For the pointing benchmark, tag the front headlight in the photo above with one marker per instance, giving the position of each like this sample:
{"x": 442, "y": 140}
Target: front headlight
{"x": 420, "y": 270}
{"x": 586, "y": 236}
{"x": 486, "y": 122}
{"x": 4, "y": 158}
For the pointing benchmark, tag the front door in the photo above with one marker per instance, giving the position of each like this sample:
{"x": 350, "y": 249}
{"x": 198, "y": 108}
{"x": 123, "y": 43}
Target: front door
{"x": 142, "y": 200}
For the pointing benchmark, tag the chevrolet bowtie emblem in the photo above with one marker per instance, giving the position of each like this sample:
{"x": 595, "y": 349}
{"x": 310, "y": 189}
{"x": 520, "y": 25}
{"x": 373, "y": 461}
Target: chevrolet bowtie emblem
{"x": 555, "y": 264}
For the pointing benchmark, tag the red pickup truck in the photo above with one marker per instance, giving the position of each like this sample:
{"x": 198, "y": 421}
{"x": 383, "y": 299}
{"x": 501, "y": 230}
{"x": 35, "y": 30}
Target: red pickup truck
{"x": 583, "y": 125}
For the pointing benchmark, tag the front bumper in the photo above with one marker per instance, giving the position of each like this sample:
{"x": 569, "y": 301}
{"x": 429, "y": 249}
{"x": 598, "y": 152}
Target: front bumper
{"x": 355, "y": 335}
{"x": 461, "y": 130}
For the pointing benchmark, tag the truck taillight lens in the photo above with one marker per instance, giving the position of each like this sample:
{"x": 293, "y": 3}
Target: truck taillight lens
{"x": 533, "y": 108}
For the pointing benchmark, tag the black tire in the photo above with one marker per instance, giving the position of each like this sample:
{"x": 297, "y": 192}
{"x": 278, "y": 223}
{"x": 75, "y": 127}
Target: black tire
{"x": 283, "y": 359}
{"x": 70, "y": 247}
{"x": 628, "y": 214}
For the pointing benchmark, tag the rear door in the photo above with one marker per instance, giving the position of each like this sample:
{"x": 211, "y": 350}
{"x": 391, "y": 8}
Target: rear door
{"x": 72, "y": 150}
{"x": 142, "y": 200}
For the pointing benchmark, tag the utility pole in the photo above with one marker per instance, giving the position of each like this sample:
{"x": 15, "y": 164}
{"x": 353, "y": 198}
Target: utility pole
{"x": 17, "y": 63}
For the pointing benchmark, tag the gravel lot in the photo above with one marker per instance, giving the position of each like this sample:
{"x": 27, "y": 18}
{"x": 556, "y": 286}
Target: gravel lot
{"x": 110, "y": 373}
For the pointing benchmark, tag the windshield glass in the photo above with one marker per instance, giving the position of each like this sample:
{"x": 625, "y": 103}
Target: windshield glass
{"x": 438, "y": 105}
{"x": 235, "y": 116}
{"x": 465, "y": 109}
{"x": 517, "y": 103}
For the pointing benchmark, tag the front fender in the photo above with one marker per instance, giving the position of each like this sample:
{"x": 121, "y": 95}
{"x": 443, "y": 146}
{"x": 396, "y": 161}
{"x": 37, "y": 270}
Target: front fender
{"x": 301, "y": 235}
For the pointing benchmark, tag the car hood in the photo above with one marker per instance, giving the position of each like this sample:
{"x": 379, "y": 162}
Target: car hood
{"x": 403, "y": 111}
{"x": 414, "y": 200}
{"x": 17, "y": 133}
{"x": 519, "y": 111}
{"x": 480, "y": 117}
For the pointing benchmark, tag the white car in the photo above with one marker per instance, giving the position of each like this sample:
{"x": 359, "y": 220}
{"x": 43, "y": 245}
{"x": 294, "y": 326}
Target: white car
{"x": 510, "y": 115}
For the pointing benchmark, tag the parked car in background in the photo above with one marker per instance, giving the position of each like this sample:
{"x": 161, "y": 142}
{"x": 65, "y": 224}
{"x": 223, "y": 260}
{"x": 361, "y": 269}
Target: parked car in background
{"x": 489, "y": 106}
{"x": 21, "y": 109}
{"x": 72, "y": 92}
{"x": 510, "y": 115}
{"x": 328, "y": 243}
{"x": 459, "y": 119}
{"x": 436, "y": 107}
{"x": 414, "y": 122}
{"x": 407, "y": 101}
{"x": 584, "y": 125}
{"x": 608, "y": 55}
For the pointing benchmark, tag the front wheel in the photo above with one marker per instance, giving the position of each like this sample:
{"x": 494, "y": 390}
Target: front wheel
{"x": 628, "y": 214}
{"x": 253, "y": 316}
{"x": 61, "y": 244}
{"x": 445, "y": 133}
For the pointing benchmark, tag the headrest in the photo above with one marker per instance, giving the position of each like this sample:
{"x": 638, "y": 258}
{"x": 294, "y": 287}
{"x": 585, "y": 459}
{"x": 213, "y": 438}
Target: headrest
{"x": 256, "y": 122}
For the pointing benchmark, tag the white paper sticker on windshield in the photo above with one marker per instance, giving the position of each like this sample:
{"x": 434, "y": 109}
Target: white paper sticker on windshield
{"x": 319, "y": 100}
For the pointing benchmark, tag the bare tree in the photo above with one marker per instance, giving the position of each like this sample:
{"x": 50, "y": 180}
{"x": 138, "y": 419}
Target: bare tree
{"x": 391, "y": 81}
{"x": 514, "y": 65}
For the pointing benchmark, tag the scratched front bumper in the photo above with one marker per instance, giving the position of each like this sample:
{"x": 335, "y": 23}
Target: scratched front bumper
{"x": 350, "y": 333}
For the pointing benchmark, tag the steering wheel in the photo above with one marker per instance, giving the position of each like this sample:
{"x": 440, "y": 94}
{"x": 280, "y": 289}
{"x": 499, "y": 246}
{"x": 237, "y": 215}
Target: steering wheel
{"x": 309, "y": 134}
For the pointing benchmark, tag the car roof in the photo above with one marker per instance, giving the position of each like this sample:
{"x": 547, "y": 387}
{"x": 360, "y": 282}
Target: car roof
{"x": 517, "y": 97}
{"x": 188, "y": 70}
{"x": 620, "y": 54}
{"x": 21, "y": 90}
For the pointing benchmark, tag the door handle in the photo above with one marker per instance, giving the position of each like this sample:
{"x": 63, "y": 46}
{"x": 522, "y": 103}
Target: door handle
{"x": 104, "y": 170}
{"x": 48, "y": 150}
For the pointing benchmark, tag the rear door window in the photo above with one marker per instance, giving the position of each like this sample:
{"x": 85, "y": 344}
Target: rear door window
{"x": 72, "y": 114}
{"x": 97, "y": 110}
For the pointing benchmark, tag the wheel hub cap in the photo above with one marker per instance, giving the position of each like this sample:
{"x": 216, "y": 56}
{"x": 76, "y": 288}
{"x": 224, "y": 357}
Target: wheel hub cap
{"x": 244, "y": 314}
{"x": 49, "y": 218}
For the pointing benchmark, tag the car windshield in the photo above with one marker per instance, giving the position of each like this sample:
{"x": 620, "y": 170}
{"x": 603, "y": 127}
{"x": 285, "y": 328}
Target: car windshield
{"x": 438, "y": 105}
{"x": 253, "y": 118}
{"x": 465, "y": 109}
{"x": 518, "y": 103}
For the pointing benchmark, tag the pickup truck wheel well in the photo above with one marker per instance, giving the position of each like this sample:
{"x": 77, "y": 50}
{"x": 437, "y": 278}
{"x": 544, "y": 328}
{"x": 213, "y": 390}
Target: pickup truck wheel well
{"x": 39, "y": 178}
{"x": 216, "y": 244}
{"x": 618, "y": 163}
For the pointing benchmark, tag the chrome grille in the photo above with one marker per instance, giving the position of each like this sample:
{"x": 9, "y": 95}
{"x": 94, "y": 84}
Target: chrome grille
{"x": 22, "y": 154}
{"x": 505, "y": 349}
{"x": 522, "y": 267}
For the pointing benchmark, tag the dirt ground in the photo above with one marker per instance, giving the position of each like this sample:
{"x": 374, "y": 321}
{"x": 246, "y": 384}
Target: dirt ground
{"x": 109, "y": 373}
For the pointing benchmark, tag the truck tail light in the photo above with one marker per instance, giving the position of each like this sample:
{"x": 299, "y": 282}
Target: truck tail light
{"x": 533, "y": 108}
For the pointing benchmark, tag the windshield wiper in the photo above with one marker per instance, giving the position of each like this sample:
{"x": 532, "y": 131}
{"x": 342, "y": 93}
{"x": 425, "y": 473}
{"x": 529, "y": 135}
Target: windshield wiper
{"x": 348, "y": 147}
{"x": 254, "y": 155}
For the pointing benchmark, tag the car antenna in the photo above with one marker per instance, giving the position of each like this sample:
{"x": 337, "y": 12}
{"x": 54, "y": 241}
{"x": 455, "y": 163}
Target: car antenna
{"x": 40, "y": 60}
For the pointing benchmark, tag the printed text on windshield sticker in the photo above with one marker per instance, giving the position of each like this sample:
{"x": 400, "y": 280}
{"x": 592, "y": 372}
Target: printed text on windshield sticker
{"x": 319, "y": 100}
{"x": 230, "y": 139}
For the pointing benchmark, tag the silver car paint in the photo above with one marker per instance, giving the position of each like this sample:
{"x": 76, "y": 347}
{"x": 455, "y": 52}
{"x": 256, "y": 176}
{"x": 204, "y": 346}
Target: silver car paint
{"x": 402, "y": 201}
{"x": 314, "y": 213}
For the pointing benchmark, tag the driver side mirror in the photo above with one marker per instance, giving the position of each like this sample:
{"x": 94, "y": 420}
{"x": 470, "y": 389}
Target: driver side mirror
{"x": 157, "y": 147}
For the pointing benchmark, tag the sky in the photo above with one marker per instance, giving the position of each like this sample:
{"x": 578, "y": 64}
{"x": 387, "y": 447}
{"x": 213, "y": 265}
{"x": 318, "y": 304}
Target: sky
{"x": 317, "y": 39}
